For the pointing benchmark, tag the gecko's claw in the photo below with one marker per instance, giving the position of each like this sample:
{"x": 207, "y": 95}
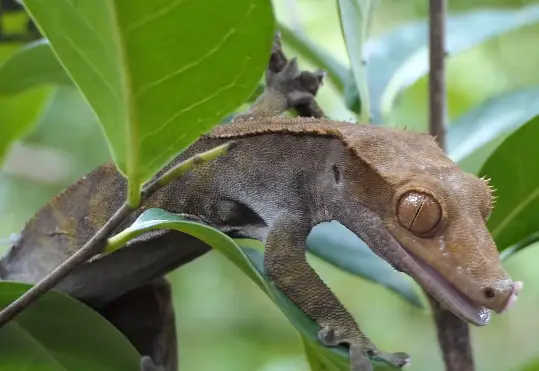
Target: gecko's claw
{"x": 361, "y": 354}
{"x": 327, "y": 336}
{"x": 398, "y": 359}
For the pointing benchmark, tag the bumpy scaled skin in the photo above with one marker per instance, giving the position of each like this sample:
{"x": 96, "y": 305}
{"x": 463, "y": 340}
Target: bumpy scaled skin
{"x": 396, "y": 190}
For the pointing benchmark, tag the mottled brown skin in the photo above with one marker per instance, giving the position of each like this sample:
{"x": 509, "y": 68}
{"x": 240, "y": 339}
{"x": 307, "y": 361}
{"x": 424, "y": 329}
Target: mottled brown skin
{"x": 396, "y": 190}
{"x": 355, "y": 174}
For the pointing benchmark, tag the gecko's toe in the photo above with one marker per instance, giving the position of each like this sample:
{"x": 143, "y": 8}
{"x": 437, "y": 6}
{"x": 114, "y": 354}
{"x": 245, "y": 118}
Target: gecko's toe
{"x": 328, "y": 337}
{"x": 360, "y": 362}
{"x": 398, "y": 359}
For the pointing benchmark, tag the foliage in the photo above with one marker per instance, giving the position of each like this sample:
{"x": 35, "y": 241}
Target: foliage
{"x": 60, "y": 333}
{"x": 134, "y": 79}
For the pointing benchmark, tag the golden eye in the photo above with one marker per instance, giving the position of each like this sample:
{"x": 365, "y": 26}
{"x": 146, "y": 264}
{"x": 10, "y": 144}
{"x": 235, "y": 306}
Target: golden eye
{"x": 419, "y": 212}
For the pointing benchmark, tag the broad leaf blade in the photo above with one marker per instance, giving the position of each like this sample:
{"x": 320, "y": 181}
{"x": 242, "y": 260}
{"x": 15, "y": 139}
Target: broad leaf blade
{"x": 59, "y": 333}
{"x": 33, "y": 65}
{"x": 514, "y": 172}
{"x": 160, "y": 219}
{"x": 399, "y": 58}
{"x": 155, "y": 75}
{"x": 18, "y": 115}
{"x": 335, "y": 244}
{"x": 355, "y": 17}
{"x": 492, "y": 121}
{"x": 244, "y": 253}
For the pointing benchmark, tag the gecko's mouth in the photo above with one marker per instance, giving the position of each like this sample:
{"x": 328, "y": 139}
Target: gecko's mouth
{"x": 460, "y": 304}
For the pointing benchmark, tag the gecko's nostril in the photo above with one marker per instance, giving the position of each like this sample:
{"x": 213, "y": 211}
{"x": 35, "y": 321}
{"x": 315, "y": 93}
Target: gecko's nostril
{"x": 489, "y": 292}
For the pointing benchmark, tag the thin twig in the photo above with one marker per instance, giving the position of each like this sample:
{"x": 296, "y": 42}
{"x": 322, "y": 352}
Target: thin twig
{"x": 453, "y": 333}
{"x": 453, "y": 337}
{"x": 437, "y": 93}
{"x": 98, "y": 241}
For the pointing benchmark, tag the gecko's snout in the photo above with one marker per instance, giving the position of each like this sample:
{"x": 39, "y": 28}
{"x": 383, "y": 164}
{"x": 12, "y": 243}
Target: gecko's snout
{"x": 516, "y": 288}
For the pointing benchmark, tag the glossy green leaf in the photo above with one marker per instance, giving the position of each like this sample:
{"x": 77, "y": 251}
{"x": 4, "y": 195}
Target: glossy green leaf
{"x": 18, "y": 115}
{"x": 246, "y": 255}
{"x": 337, "y": 245}
{"x": 296, "y": 38}
{"x": 33, "y": 65}
{"x": 399, "y": 58}
{"x": 355, "y": 17}
{"x": 58, "y": 332}
{"x": 316, "y": 361}
{"x": 155, "y": 75}
{"x": 490, "y": 122}
{"x": 514, "y": 172}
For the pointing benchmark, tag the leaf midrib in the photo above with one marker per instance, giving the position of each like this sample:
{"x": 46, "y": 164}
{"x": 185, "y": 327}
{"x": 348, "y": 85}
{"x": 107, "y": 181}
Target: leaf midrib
{"x": 129, "y": 115}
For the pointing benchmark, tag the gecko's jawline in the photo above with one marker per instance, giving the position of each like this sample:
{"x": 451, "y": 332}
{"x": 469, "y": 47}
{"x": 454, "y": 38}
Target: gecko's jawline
{"x": 461, "y": 305}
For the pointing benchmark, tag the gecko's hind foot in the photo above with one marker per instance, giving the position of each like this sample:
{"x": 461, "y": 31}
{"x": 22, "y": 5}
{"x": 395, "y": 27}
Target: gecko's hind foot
{"x": 362, "y": 352}
{"x": 298, "y": 87}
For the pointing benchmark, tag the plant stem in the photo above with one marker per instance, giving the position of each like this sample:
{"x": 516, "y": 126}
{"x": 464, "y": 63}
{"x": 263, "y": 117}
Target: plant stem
{"x": 437, "y": 93}
{"x": 453, "y": 333}
{"x": 98, "y": 241}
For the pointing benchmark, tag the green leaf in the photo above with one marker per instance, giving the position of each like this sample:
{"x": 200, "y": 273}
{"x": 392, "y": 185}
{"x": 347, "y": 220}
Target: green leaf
{"x": 317, "y": 361}
{"x": 246, "y": 255}
{"x": 58, "y": 332}
{"x": 529, "y": 240}
{"x": 355, "y": 17}
{"x": 491, "y": 121}
{"x": 297, "y": 39}
{"x": 399, "y": 58}
{"x": 156, "y": 76}
{"x": 514, "y": 173}
{"x": 18, "y": 115}
{"x": 32, "y": 65}
{"x": 334, "y": 243}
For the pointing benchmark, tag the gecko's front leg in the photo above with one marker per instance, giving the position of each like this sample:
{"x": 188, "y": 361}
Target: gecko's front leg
{"x": 285, "y": 264}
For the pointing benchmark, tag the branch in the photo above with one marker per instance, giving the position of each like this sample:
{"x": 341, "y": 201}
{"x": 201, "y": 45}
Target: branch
{"x": 437, "y": 94}
{"x": 99, "y": 240}
{"x": 453, "y": 333}
{"x": 454, "y": 338}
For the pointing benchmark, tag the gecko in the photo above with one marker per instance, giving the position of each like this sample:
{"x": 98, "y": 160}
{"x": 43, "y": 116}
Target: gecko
{"x": 394, "y": 189}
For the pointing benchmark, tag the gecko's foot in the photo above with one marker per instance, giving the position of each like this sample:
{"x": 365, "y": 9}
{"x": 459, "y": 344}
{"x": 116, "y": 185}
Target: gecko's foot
{"x": 398, "y": 359}
{"x": 147, "y": 364}
{"x": 298, "y": 87}
{"x": 284, "y": 77}
{"x": 362, "y": 352}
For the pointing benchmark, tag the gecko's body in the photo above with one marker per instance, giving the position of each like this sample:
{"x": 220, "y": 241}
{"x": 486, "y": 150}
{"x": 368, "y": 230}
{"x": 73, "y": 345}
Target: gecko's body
{"x": 283, "y": 176}
{"x": 394, "y": 189}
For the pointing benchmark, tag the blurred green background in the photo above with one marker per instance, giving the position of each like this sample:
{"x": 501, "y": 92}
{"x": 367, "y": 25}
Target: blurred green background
{"x": 224, "y": 321}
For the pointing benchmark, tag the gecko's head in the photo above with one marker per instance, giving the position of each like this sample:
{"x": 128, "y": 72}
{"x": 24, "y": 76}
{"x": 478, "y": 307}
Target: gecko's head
{"x": 439, "y": 220}
{"x": 432, "y": 220}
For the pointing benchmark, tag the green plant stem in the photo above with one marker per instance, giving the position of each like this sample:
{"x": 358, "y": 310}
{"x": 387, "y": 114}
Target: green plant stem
{"x": 99, "y": 240}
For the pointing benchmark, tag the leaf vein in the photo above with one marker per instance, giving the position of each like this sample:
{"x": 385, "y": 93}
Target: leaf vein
{"x": 154, "y": 16}
{"x": 92, "y": 66}
{"x": 188, "y": 66}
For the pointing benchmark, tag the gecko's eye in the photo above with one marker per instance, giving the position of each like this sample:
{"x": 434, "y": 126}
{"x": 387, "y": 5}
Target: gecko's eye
{"x": 419, "y": 212}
